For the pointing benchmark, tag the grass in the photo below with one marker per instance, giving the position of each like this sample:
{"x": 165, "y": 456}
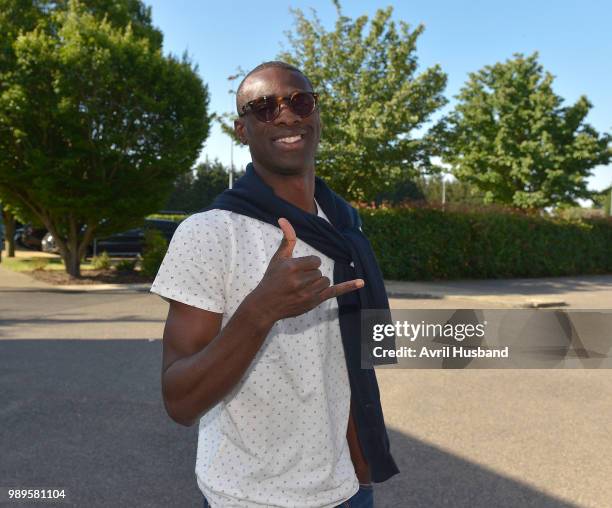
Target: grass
{"x": 174, "y": 217}
{"x": 24, "y": 264}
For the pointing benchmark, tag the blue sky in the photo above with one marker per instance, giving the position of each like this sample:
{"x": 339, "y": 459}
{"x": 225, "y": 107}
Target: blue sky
{"x": 573, "y": 39}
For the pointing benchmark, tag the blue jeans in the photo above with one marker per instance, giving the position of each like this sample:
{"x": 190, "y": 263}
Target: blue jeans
{"x": 363, "y": 499}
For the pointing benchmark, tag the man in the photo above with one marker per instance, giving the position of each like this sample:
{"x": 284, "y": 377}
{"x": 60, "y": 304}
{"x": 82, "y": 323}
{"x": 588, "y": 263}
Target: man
{"x": 259, "y": 346}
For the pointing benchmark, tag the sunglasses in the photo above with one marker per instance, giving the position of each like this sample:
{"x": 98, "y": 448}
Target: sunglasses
{"x": 267, "y": 108}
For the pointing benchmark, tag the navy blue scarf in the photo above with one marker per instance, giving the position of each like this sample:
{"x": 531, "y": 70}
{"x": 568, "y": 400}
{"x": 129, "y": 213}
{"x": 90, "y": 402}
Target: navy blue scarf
{"x": 342, "y": 241}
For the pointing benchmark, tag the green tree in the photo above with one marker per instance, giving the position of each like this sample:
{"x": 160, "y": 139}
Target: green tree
{"x": 429, "y": 190}
{"x": 405, "y": 190}
{"x": 456, "y": 192}
{"x": 603, "y": 200}
{"x": 10, "y": 216}
{"x": 372, "y": 99}
{"x": 95, "y": 123}
{"x": 511, "y": 136}
{"x": 197, "y": 189}
{"x": 25, "y": 15}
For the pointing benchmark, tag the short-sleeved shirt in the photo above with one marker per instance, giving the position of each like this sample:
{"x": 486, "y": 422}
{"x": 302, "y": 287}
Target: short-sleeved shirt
{"x": 278, "y": 439}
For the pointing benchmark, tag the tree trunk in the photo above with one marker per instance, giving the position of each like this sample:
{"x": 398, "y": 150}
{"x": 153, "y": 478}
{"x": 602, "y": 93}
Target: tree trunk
{"x": 9, "y": 232}
{"x": 73, "y": 248}
{"x": 72, "y": 259}
{"x": 72, "y": 262}
{"x": 9, "y": 228}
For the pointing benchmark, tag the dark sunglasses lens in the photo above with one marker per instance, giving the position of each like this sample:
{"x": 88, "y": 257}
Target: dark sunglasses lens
{"x": 302, "y": 104}
{"x": 265, "y": 111}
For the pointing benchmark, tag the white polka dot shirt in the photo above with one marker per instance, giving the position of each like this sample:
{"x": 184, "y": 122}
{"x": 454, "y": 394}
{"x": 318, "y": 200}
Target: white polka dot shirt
{"x": 278, "y": 439}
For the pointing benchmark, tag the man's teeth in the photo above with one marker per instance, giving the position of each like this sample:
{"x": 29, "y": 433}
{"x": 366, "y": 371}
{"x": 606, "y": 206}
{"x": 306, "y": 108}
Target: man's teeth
{"x": 292, "y": 139}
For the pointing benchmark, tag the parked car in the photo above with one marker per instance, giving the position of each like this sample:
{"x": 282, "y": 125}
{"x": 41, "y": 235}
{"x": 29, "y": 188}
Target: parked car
{"x": 29, "y": 237}
{"x": 127, "y": 243}
{"x": 47, "y": 244}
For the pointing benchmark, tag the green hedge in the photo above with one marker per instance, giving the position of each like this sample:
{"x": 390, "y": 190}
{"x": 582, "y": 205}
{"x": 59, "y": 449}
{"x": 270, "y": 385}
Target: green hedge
{"x": 155, "y": 247}
{"x": 421, "y": 243}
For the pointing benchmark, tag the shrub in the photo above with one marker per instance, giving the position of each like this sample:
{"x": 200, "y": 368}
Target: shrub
{"x": 40, "y": 263}
{"x": 155, "y": 248}
{"x": 423, "y": 243}
{"x": 126, "y": 265}
{"x": 101, "y": 262}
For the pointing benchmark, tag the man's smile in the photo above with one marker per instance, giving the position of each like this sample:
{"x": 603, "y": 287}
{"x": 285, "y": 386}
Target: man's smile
{"x": 289, "y": 140}
{"x": 293, "y": 141}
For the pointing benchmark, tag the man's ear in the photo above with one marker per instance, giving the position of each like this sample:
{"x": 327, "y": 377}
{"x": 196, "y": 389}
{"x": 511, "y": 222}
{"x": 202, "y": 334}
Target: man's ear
{"x": 240, "y": 130}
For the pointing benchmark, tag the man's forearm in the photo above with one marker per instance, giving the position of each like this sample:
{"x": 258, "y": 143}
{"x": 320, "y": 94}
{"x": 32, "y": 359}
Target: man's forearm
{"x": 194, "y": 384}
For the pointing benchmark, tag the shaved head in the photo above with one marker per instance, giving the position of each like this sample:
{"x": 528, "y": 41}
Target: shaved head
{"x": 287, "y": 144}
{"x": 241, "y": 98}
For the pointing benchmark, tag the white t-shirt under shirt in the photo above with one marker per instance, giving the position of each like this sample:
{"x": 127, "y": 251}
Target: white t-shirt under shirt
{"x": 278, "y": 439}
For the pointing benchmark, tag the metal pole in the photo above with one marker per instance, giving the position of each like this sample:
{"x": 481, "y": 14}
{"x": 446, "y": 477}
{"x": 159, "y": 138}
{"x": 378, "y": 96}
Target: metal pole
{"x": 231, "y": 171}
{"x": 232, "y": 106}
{"x": 443, "y": 192}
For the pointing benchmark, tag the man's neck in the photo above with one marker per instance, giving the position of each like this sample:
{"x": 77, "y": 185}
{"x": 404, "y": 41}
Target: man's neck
{"x": 296, "y": 189}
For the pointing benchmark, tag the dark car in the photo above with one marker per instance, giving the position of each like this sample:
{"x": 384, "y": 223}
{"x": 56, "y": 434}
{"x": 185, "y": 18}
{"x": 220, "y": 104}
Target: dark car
{"x": 127, "y": 243}
{"x": 29, "y": 237}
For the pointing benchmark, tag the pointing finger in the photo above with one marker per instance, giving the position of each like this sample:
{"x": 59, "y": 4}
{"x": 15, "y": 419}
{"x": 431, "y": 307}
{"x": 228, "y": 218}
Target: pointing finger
{"x": 342, "y": 288}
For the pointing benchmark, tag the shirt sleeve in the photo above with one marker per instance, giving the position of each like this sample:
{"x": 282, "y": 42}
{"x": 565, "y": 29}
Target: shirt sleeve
{"x": 195, "y": 266}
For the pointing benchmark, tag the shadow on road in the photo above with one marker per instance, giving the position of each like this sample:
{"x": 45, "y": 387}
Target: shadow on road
{"x": 431, "y": 477}
{"x": 88, "y": 417}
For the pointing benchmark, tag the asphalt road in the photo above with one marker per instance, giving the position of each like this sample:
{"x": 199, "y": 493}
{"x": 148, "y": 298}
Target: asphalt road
{"x": 86, "y": 415}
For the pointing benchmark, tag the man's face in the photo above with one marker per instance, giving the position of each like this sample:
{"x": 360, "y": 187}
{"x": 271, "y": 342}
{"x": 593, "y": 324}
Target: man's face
{"x": 265, "y": 139}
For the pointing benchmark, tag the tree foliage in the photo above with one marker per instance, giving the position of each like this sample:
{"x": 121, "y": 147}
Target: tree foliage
{"x": 197, "y": 189}
{"x": 95, "y": 122}
{"x": 25, "y": 15}
{"x": 455, "y": 192}
{"x": 603, "y": 200}
{"x": 372, "y": 98}
{"x": 511, "y": 136}
{"x": 428, "y": 190}
{"x": 10, "y": 214}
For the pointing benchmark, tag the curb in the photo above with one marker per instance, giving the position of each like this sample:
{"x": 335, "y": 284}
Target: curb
{"x": 414, "y": 296}
{"x": 543, "y": 304}
{"x": 127, "y": 288}
{"x": 490, "y": 299}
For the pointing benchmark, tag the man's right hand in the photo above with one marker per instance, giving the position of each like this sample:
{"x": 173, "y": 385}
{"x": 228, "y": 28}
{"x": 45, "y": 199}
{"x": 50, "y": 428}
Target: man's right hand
{"x": 293, "y": 286}
{"x": 202, "y": 362}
